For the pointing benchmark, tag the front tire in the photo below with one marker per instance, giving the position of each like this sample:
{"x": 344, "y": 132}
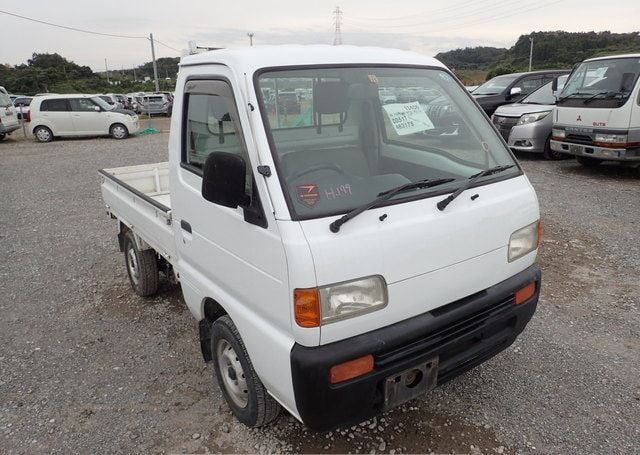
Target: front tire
{"x": 242, "y": 389}
{"x": 550, "y": 154}
{"x": 588, "y": 161}
{"x": 43, "y": 134}
{"x": 142, "y": 267}
{"x": 2, "y": 136}
{"x": 119, "y": 131}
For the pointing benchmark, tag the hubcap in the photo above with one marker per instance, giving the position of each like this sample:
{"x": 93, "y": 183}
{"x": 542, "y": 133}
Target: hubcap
{"x": 132, "y": 263}
{"x": 232, "y": 373}
{"x": 118, "y": 132}
{"x": 43, "y": 134}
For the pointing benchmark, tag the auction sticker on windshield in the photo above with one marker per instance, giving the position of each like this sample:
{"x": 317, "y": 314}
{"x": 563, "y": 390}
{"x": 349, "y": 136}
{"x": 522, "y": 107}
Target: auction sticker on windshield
{"x": 408, "y": 118}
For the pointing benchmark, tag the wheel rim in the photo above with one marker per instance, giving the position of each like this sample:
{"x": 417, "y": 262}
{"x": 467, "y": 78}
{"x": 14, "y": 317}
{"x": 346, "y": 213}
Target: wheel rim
{"x": 43, "y": 135}
{"x": 118, "y": 132}
{"x": 132, "y": 264}
{"x": 232, "y": 374}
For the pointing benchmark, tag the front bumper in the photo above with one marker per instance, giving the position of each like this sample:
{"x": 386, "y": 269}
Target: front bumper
{"x": 461, "y": 335}
{"x": 592, "y": 151}
{"x": 531, "y": 137}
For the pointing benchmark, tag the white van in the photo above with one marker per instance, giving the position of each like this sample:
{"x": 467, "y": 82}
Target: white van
{"x": 8, "y": 116}
{"x": 597, "y": 116}
{"x": 79, "y": 115}
{"x": 343, "y": 259}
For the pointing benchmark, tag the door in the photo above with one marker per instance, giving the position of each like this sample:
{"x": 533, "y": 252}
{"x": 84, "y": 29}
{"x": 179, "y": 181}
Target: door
{"x": 86, "y": 119}
{"x": 56, "y": 113}
{"x": 234, "y": 256}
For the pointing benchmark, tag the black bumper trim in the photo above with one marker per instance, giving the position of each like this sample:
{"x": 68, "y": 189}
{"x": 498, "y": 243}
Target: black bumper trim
{"x": 462, "y": 335}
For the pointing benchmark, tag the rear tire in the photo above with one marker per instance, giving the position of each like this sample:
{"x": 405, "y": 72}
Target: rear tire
{"x": 43, "y": 134}
{"x": 142, "y": 267}
{"x": 119, "y": 131}
{"x": 550, "y": 154}
{"x": 588, "y": 161}
{"x": 242, "y": 389}
{"x": 2, "y": 136}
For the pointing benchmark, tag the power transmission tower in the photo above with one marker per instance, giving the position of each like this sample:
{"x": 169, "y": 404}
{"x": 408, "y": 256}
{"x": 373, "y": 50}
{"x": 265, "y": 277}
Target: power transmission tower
{"x": 337, "y": 21}
{"x": 250, "y": 35}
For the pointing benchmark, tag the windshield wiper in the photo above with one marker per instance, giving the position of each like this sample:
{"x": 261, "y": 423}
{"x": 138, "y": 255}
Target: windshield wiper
{"x": 385, "y": 195}
{"x": 494, "y": 170}
{"x": 571, "y": 95}
{"x": 607, "y": 94}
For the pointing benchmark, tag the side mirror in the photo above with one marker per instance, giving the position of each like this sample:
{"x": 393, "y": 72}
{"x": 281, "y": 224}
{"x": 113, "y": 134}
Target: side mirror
{"x": 627, "y": 82}
{"x": 515, "y": 91}
{"x": 223, "y": 180}
{"x": 554, "y": 84}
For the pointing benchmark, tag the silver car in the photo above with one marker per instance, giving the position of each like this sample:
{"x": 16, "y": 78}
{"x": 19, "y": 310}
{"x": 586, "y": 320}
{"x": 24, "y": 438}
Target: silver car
{"x": 526, "y": 126}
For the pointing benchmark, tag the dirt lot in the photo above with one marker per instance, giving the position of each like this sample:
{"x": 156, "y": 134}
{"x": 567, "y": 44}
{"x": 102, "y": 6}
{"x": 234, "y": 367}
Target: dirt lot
{"x": 86, "y": 366}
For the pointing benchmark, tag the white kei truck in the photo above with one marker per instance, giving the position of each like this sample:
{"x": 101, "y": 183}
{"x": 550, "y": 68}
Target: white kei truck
{"x": 597, "y": 116}
{"x": 341, "y": 255}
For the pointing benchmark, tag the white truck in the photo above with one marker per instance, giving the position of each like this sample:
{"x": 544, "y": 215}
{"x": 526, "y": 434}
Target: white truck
{"x": 340, "y": 260}
{"x": 597, "y": 116}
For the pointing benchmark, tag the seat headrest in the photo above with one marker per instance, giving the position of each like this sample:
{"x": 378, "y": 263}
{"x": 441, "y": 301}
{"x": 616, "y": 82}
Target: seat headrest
{"x": 330, "y": 97}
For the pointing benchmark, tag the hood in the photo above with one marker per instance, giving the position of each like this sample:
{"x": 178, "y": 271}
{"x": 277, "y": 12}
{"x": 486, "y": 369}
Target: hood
{"x": 123, "y": 111}
{"x": 416, "y": 240}
{"x": 589, "y": 118}
{"x": 519, "y": 109}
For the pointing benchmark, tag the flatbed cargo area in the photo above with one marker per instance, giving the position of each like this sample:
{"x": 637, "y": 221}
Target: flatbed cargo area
{"x": 139, "y": 196}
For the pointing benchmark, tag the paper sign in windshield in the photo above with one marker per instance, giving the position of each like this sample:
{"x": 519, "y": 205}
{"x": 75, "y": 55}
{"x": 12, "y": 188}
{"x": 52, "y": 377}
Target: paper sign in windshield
{"x": 408, "y": 118}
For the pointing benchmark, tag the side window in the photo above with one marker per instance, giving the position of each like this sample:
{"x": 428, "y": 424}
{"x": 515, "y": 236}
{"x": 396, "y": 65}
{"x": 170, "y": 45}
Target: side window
{"x": 82, "y": 105}
{"x": 55, "y": 105}
{"x": 530, "y": 84}
{"x": 212, "y": 124}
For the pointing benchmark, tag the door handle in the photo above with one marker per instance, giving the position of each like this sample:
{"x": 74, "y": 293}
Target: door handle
{"x": 186, "y": 226}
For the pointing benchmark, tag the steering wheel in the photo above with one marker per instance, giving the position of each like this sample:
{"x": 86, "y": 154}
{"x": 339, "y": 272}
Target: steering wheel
{"x": 316, "y": 167}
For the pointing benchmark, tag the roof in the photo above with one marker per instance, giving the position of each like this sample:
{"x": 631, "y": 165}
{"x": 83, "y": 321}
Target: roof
{"x": 250, "y": 59}
{"x": 63, "y": 95}
{"x": 613, "y": 56}
{"x": 535, "y": 72}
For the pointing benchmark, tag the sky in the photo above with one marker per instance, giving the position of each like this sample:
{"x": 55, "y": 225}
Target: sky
{"x": 427, "y": 27}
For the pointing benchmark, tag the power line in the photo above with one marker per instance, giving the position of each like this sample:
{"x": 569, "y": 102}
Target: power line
{"x": 422, "y": 13}
{"x": 72, "y": 28}
{"x": 166, "y": 45}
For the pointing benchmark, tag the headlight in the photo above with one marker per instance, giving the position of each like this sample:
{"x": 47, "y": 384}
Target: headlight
{"x": 524, "y": 241}
{"x": 560, "y": 134}
{"x": 612, "y": 138}
{"x": 530, "y": 118}
{"x": 352, "y": 298}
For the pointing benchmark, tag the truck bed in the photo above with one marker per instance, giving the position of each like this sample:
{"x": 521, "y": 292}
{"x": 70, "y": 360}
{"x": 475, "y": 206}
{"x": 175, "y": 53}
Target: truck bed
{"x": 139, "y": 197}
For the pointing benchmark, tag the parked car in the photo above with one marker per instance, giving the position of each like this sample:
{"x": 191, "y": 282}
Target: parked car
{"x": 8, "y": 116}
{"x": 21, "y": 104}
{"x": 79, "y": 115}
{"x": 332, "y": 267}
{"x": 511, "y": 88}
{"x": 155, "y": 103}
{"x": 112, "y": 101}
{"x": 598, "y": 113}
{"x": 526, "y": 126}
{"x": 288, "y": 103}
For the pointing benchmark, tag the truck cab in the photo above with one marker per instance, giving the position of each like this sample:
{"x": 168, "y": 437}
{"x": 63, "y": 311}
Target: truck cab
{"x": 346, "y": 258}
{"x": 597, "y": 115}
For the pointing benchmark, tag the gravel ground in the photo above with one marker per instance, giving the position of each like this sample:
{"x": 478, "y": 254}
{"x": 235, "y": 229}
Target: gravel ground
{"x": 87, "y": 366}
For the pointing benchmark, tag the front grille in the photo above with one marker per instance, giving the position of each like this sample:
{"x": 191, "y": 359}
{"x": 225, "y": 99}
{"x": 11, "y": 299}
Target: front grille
{"x": 504, "y": 125}
{"x": 579, "y": 139}
{"x": 437, "y": 341}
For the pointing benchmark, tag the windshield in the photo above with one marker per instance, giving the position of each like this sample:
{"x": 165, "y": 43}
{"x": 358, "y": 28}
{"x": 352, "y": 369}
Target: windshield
{"x": 496, "y": 85}
{"x": 613, "y": 78}
{"x": 545, "y": 95}
{"x": 343, "y": 145}
{"x": 102, "y": 103}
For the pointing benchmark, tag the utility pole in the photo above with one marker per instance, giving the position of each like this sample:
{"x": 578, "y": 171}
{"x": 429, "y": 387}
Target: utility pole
{"x": 530, "y": 53}
{"x": 250, "y": 35}
{"x": 337, "y": 21}
{"x": 134, "y": 74}
{"x": 155, "y": 65}
{"x": 107, "y": 69}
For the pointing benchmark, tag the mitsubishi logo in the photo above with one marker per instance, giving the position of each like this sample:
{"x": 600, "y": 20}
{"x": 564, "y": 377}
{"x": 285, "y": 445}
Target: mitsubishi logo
{"x": 579, "y": 119}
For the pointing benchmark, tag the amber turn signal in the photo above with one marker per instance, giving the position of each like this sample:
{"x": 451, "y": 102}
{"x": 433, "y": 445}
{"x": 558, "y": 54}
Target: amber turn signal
{"x": 351, "y": 369}
{"x": 306, "y": 303}
{"x": 525, "y": 293}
